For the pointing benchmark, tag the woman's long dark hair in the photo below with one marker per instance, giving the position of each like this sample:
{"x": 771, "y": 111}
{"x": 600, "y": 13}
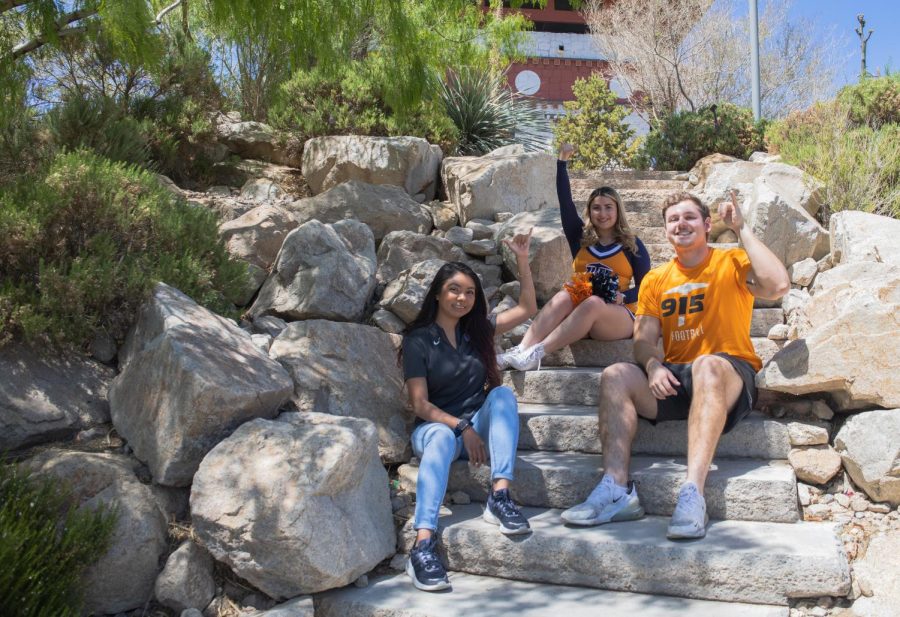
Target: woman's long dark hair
{"x": 474, "y": 323}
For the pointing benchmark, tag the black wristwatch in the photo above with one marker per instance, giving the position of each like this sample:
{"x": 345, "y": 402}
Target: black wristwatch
{"x": 461, "y": 426}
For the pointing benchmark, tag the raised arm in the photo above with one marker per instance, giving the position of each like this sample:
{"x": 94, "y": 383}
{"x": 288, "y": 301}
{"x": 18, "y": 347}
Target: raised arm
{"x": 527, "y": 306}
{"x": 640, "y": 266}
{"x": 572, "y": 224}
{"x": 768, "y": 276}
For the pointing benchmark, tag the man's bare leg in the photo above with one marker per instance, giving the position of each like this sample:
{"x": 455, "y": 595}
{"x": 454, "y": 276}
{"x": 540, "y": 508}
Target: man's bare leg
{"x": 717, "y": 387}
{"x": 624, "y": 395}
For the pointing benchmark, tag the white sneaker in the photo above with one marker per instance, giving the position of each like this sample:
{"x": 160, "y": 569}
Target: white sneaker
{"x": 607, "y": 503}
{"x": 528, "y": 359}
{"x": 689, "y": 519}
{"x": 503, "y": 359}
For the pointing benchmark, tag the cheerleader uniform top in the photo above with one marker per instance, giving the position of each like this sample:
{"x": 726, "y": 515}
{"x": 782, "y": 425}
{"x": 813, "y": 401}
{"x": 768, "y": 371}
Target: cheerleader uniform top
{"x": 614, "y": 256}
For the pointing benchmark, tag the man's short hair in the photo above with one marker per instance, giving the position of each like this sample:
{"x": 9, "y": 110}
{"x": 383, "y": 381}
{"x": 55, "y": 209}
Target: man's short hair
{"x": 677, "y": 198}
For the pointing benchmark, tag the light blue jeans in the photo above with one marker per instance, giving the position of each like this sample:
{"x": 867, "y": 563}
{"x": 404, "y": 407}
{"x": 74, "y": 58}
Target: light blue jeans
{"x": 497, "y": 423}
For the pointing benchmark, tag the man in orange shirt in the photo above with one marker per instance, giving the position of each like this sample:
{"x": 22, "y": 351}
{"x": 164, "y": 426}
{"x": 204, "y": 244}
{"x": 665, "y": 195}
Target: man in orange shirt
{"x": 701, "y": 304}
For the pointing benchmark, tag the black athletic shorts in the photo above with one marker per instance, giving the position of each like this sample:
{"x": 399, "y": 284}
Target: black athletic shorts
{"x": 677, "y": 406}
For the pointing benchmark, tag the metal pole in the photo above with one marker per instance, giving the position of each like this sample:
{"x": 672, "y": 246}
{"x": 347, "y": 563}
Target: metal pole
{"x": 754, "y": 57}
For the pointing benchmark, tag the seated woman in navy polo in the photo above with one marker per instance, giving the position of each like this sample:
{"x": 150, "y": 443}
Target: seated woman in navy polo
{"x": 454, "y": 388}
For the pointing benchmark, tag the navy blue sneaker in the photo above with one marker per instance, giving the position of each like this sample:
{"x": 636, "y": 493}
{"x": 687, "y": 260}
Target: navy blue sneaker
{"x": 425, "y": 568}
{"x": 502, "y": 511}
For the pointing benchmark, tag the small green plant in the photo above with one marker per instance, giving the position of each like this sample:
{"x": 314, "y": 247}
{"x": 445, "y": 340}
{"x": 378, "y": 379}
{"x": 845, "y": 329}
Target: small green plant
{"x": 85, "y": 241}
{"x": 595, "y": 122}
{"x": 488, "y": 115}
{"x": 46, "y": 543}
{"x": 683, "y": 138}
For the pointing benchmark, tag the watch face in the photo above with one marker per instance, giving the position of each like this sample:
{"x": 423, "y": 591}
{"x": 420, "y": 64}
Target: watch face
{"x": 528, "y": 82}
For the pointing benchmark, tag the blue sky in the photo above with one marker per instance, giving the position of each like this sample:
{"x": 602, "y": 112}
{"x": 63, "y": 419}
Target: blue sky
{"x": 838, "y": 17}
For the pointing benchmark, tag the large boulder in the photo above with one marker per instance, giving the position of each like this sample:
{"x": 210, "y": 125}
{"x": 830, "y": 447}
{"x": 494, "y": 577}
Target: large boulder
{"x": 46, "y": 396}
{"x": 295, "y": 506}
{"x": 479, "y": 187}
{"x": 876, "y": 573}
{"x": 550, "y": 257}
{"x": 384, "y": 208}
{"x": 847, "y": 343}
{"x": 401, "y": 250}
{"x": 784, "y": 226}
{"x": 122, "y": 579}
{"x": 323, "y": 271}
{"x": 257, "y": 236}
{"x": 348, "y": 370}
{"x": 869, "y": 444}
{"x": 408, "y": 162}
{"x": 188, "y": 386}
{"x": 860, "y": 236}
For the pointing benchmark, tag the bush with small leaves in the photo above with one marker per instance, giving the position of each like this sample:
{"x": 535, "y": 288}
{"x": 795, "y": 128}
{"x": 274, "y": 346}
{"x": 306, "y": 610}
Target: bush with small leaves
{"x": 683, "y": 138}
{"x": 46, "y": 543}
{"x": 86, "y": 239}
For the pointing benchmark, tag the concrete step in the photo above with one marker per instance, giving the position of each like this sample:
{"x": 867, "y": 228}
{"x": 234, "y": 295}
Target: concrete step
{"x": 588, "y": 352}
{"x": 738, "y": 561}
{"x": 573, "y": 428}
{"x": 635, "y": 198}
{"x": 742, "y": 489}
{"x": 395, "y": 596}
{"x": 563, "y": 386}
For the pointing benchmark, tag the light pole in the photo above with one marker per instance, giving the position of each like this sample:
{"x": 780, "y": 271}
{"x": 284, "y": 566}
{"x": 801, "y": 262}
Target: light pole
{"x": 754, "y": 58}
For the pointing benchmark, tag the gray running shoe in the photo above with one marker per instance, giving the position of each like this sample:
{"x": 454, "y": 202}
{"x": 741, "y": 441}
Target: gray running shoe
{"x": 607, "y": 503}
{"x": 689, "y": 519}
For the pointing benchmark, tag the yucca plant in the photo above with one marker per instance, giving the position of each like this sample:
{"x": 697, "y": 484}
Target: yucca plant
{"x": 489, "y": 115}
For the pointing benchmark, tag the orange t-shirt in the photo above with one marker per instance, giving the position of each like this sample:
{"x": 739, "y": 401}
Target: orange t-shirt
{"x": 703, "y": 310}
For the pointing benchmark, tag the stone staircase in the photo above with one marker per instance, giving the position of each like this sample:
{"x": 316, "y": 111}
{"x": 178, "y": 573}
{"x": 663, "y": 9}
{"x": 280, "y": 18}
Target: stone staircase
{"x": 757, "y": 554}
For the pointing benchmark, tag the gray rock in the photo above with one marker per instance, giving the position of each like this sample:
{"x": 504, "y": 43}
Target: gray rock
{"x": 443, "y": 214}
{"x": 863, "y": 237}
{"x": 122, "y": 579}
{"x": 298, "y": 607}
{"x": 549, "y": 255}
{"x": 388, "y": 322}
{"x": 384, "y": 208}
{"x": 256, "y": 276}
{"x": 187, "y": 579}
{"x": 323, "y": 271}
{"x": 805, "y": 434}
{"x": 263, "y": 341}
{"x": 257, "y": 236}
{"x": 869, "y": 444}
{"x": 803, "y": 272}
{"x": 401, "y": 250}
{"x": 348, "y": 370}
{"x": 261, "y": 190}
{"x": 269, "y": 324}
{"x": 482, "y": 229}
{"x": 815, "y": 464}
{"x": 408, "y": 162}
{"x": 172, "y": 501}
{"x": 480, "y": 248}
{"x": 512, "y": 288}
{"x": 459, "y": 235}
{"x": 46, "y": 396}
{"x": 846, "y": 339}
{"x": 191, "y": 612}
{"x": 189, "y": 386}
{"x": 250, "y": 140}
{"x": 276, "y": 498}
{"x": 877, "y": 574}
{"x": 403, "y": 296}
{"x": 479, "y": 187}
{"x": 778, "y": 332}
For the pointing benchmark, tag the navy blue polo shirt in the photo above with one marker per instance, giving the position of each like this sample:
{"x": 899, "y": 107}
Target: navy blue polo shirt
{"x": 455, "y": 377}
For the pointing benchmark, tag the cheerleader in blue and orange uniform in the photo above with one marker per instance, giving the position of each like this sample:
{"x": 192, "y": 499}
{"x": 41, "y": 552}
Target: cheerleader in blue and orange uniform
{"x": 603, "y": 242}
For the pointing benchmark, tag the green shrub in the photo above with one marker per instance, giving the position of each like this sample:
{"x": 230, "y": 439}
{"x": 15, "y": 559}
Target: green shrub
{"x": 595, "y": 122}
{"x": 85, "y": 241}
{"x": 349, "y": 101}
{"x": 99, "y": 124}
{"x": 45, "y": 545}
{"x": 488, "y": 115}
{"x": 685, "y": 137}
{"x": 859, "y": 164}
{"x": 874, "y": 102}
